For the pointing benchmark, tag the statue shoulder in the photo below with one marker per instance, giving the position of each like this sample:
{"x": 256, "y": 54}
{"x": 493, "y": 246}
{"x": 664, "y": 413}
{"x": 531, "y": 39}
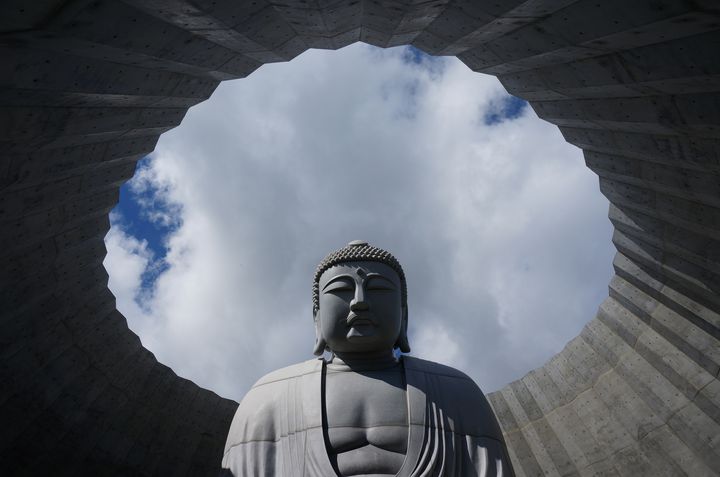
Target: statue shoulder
{"x": 459, "y": 396}
{"x": 431, "y": 367}
{"x": 259, "y": 417}
{"x": 293, "y": 371}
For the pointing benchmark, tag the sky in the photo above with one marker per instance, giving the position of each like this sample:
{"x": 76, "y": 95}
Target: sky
{"x": 500, "y": 228}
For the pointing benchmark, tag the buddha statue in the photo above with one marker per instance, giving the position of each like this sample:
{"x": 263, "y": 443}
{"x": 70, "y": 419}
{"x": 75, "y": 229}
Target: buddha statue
{"x": 367, "y": 411}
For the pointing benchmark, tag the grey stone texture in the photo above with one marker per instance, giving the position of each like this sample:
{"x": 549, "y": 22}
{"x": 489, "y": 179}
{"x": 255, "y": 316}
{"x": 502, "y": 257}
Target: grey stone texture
{"x": 284, "y": 424}
{"x": 88, "y": 86}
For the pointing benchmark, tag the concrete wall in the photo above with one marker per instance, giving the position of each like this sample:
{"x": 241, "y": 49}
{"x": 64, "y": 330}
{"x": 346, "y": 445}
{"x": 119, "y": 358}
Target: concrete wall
{"x": 88, "y": 86}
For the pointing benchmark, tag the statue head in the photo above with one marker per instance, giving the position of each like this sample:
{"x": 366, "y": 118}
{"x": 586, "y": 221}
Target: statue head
{"x": 360, "y": 301}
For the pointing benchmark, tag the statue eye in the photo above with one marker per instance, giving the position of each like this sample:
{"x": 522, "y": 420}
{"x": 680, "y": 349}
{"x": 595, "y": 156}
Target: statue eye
{"x": 379, "y": 284}
{"x": 339, "y": 286}
{"x": 379, "y": 288}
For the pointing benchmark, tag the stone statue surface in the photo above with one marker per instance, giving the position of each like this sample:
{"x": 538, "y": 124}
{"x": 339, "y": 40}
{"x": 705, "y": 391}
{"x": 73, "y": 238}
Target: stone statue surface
{"x": 365, "y": 412}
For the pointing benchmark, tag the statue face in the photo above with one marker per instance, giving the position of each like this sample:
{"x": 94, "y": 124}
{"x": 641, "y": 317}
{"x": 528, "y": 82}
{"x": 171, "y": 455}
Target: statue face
{"x": 360, "y": 307}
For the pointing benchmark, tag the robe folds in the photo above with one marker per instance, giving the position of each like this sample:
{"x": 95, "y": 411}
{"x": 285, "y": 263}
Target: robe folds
{"x": 277, "y": 430}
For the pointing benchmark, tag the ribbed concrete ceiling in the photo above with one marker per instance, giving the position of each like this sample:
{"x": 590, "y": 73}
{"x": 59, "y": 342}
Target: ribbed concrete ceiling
{"x": 88, "y": 86}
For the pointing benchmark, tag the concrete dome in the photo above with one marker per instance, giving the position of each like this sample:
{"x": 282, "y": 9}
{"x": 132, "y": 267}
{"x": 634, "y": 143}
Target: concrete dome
{"x": 88, "y": 86}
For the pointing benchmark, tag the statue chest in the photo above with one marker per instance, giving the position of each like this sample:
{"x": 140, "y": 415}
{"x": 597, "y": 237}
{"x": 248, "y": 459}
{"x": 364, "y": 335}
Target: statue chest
{"x": 366, "y": 421}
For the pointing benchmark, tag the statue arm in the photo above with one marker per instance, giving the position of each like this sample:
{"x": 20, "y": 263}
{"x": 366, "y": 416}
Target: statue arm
{"x": 266, "y": 416}
{"x": 250, "y": 447}
{"x": 491, "y": 456}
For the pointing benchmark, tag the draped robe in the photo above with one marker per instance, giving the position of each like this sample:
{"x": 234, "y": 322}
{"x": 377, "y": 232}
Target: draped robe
{"x": 277, "y": 430}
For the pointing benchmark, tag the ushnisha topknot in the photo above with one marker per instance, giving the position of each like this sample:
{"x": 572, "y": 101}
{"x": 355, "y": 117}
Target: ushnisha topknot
{"x": 357, "y": 251}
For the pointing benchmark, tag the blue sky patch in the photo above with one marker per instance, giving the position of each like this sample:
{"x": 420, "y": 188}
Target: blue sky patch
{"x": 139, "y": 210}
{"x": 410, "y": 89}
{"x": 507, "y": 108}
{"x": 415, "y": 55}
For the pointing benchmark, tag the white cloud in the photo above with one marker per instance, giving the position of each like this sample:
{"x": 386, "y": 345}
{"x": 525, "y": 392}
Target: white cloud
{"x": 126, "y": 261}
{"x": 501, "y": 229}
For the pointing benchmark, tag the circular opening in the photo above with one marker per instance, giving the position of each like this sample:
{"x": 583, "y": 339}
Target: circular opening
{"x": 499, "y": 225}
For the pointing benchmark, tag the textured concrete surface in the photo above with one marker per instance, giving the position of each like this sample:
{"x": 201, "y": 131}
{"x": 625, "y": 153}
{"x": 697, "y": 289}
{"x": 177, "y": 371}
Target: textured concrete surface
{"x": 88, "y": 86}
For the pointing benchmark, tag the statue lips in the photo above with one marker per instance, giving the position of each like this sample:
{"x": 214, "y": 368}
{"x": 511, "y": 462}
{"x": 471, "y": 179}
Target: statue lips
{"x": 360, "y": 325}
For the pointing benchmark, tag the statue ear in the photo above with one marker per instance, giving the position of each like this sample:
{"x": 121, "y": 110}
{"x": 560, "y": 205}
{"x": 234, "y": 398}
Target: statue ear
{"x": 320, "y": 343}
{"x": 402, "y": 341}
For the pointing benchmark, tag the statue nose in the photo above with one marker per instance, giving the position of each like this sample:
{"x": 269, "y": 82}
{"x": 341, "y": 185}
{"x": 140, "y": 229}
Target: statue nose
{"x": 358, "y": 303}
